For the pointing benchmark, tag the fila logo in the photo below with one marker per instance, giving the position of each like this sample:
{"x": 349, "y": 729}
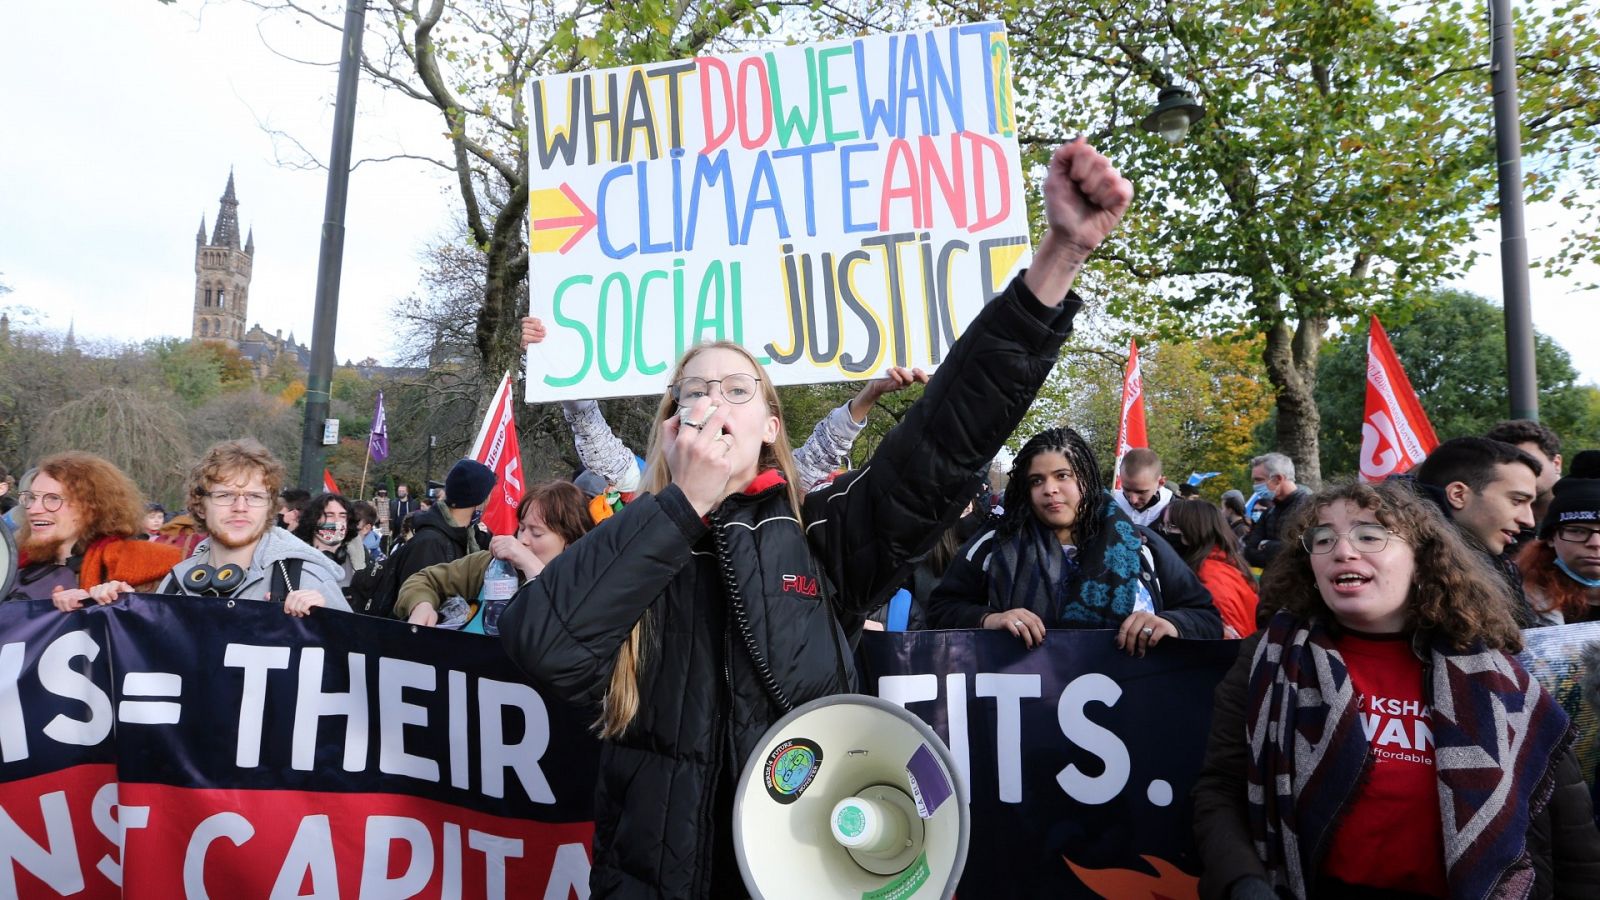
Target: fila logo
{"x": 800, "y": 584}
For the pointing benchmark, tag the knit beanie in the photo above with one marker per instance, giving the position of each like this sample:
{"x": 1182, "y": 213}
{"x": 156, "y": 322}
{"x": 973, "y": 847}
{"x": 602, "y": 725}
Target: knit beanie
{"x": 468, "y": 484}
{"x": 1573, "y": 499}
{"x": 590, "y": 483}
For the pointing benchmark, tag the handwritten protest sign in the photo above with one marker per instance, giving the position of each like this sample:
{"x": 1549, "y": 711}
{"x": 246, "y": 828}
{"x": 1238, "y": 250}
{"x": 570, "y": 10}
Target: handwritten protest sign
{"x": 836, "y": 208}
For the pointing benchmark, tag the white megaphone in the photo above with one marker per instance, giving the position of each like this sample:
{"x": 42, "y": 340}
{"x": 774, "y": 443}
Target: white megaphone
{"x": 851, "y": 796}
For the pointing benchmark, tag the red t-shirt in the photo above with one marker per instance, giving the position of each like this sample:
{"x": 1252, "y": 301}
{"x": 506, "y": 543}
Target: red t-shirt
{"x": 1391, "y": 835}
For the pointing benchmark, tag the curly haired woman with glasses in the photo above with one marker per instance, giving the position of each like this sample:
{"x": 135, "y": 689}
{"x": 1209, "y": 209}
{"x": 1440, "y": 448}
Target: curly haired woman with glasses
{"x": 1378, "y": 739}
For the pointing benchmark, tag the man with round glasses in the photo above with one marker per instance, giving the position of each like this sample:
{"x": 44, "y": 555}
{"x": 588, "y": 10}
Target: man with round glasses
{"x": 77, "y": 528}
{"x": 233, "y": 495}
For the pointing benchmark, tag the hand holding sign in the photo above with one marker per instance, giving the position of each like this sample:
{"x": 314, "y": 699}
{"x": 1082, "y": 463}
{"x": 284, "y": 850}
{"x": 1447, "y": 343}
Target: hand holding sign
{"x": 1084, "y": 199}
{"x": 533, "y": 331}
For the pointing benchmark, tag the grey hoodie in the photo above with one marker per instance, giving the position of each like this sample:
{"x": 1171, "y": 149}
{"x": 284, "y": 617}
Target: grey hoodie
{"x": 318, "y": 574}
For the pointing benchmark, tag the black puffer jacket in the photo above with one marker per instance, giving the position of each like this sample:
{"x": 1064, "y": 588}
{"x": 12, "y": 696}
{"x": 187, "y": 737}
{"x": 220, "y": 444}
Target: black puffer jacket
{"x": 961, "y": 599}
{"x": 663, "y": 802}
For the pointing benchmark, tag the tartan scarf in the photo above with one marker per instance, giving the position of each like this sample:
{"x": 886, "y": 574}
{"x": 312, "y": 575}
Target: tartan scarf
{"x": 1497, "y": 739}
{"x": 1095, "y": 589}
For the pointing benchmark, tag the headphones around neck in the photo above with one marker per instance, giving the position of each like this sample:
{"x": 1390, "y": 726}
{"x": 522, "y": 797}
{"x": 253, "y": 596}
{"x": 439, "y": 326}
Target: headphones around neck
{"x": 207, "y": 581}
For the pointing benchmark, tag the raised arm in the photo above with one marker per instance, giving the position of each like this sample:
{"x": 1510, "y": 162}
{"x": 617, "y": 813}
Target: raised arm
{"x": 599, "y": 448}
{"x": 866, "y": 525}
{"x": 836, "y": 433}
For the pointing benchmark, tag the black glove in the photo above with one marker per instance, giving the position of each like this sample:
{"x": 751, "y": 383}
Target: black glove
{"x": 1251, "y": 888}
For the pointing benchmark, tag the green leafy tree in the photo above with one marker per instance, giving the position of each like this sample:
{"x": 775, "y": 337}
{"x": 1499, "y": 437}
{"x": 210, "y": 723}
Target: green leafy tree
{"x": 190, "y": 370}
{"x": 1345, "y": 157}
{"x": 1453, "y": 348}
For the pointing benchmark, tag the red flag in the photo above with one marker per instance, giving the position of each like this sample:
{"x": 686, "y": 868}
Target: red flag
{"x": 328, "y": 482}
{"x": 496, "y": 447}
{"x": 1130, "y": 431}
{"x": 1395, "y": 432}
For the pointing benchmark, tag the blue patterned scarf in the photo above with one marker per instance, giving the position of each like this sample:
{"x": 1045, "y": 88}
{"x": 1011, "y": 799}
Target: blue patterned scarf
{"x": 1308, "y": 754}
{"x": 1095, "y": 589}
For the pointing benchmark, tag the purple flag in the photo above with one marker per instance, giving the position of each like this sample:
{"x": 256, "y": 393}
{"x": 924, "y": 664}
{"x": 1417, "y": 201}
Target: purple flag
{"x": 378, "y": 442}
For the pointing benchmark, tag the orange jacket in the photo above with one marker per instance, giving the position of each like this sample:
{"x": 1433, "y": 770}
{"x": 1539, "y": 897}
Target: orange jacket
{"x": 125, "y": 559}
{"x": 1235, "y": 598}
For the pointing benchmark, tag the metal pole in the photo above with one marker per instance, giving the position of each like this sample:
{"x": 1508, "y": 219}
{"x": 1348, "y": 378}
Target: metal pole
{"x": 1524, "y": 382}
{"x": 427, "y": 465}
{"x": 320, "y": 379}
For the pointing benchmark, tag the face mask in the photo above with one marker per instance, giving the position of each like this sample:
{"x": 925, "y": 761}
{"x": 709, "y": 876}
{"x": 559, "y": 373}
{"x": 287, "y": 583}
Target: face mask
{"x": 1586, "y": 582}
{"x": 1258, "y": 503}
{"x": 331, "y": 532}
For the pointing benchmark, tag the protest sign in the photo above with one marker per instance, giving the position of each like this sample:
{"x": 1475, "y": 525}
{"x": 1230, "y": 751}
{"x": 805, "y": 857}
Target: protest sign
{"x": 836, "y": 208}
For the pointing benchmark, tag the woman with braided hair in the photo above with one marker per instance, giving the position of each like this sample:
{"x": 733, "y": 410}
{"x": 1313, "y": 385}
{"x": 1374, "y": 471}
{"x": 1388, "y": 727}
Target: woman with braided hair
{"x": 1065, "y": 555}
{"x": 1377, "y": 739}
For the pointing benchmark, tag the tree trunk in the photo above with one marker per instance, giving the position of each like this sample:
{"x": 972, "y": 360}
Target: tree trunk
{"x": 1291, "y": 361}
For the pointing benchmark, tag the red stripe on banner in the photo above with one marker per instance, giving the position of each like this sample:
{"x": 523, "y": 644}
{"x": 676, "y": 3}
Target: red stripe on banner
{"x": 58, "y": 837}
{"x": 250, "y": 843}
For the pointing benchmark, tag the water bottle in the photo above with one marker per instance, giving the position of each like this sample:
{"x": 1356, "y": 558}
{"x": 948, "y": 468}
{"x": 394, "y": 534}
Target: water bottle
{"x": 499, "y": 586}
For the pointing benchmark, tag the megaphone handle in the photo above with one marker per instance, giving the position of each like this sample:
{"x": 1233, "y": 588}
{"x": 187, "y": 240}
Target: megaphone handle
{"x": 741, "y": 618}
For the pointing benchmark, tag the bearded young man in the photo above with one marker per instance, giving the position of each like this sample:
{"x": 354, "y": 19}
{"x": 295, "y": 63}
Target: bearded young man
{"x": 77, "y": 526}
{"x": 233, "y": 495}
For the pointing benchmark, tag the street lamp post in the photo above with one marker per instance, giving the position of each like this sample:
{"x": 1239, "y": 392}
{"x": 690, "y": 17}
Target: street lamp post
{"x": 319, "y": 381}
{"x": 1524, "y": 381}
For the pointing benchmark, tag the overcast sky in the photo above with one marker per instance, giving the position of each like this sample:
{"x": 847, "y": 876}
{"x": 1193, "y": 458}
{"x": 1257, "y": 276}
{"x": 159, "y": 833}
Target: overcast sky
{"x": 123, "y": 118}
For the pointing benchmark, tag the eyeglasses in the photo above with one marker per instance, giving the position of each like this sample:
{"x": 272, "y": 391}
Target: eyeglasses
{"x": 257, "y": 499}
{"x": 1574, "y": 534}
{"x": 50, "y": 502}
{"x": 1366, "y": 538}
{"x": 736, "y": 388}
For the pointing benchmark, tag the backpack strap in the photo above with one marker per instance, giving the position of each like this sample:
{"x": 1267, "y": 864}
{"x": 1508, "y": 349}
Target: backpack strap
{"x": 285, "y": 578}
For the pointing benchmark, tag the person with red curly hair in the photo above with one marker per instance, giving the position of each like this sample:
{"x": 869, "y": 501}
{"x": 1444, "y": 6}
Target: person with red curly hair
{"x": 82, "y": 518}
{"x": 1561, "y": 566}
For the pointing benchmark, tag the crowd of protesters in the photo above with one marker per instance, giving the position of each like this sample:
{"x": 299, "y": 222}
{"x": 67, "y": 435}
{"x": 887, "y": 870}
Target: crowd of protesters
{"x": 626, "y": 589}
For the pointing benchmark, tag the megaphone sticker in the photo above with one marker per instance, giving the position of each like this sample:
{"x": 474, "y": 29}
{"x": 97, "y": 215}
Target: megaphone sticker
{"x": 790, "y": 769}
{"x": 929, "y": 788}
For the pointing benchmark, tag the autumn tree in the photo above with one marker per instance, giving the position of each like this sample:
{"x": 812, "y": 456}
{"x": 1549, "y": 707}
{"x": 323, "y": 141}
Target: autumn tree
{"x": 1346, "y": 156}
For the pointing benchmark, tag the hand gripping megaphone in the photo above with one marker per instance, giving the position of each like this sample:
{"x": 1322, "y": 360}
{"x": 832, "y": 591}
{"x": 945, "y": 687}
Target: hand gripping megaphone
{"x": 851, "y": 796}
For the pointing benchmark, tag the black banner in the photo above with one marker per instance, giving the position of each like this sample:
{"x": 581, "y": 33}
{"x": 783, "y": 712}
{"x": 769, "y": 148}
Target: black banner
{"x": 186, "y": 747}
{"x": 1079, "y": 758}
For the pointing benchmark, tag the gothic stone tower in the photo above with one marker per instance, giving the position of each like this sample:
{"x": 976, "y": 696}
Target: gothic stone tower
{"x": 222, "y": 276}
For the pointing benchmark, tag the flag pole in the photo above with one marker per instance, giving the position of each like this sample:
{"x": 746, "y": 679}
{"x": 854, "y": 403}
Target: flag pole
{"x": 361, "y": 492}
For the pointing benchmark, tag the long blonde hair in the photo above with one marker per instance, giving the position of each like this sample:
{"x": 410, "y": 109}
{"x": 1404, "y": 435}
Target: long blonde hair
{"x": 621, "y": 703}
